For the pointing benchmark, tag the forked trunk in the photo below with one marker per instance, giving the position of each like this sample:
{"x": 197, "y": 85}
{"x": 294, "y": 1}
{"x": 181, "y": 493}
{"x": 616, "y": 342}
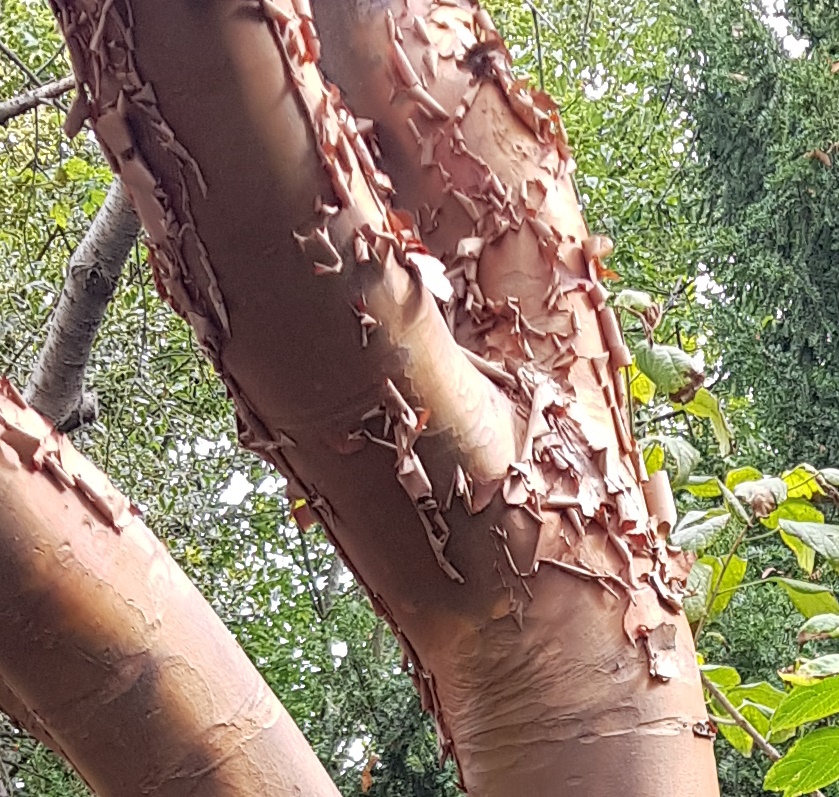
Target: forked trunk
{"x": 459, "y": 427}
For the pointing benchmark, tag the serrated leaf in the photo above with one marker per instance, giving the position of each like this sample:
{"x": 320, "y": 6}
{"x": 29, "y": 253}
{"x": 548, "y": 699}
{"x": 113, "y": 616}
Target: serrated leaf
{"x": 809, "y": 599}
{"x": 634, "y": 300}
{"x": 761, "y": 694}
{"x": 811, "y": 763}
{"x": 721, "y": 675}
{"x": 822, "y": 626}
{"x": 706, "y": 405}
{"x": 740, "y": 475}
{"x": 822, "y": 537}
{"x": 703, "y": 486}
{"x": 668, "y": 366}
{"x": 698, "y": 528}
{"x": 807, "y": 704}
{"x": 802, "y": 482}
{"x": 683, "y": 455}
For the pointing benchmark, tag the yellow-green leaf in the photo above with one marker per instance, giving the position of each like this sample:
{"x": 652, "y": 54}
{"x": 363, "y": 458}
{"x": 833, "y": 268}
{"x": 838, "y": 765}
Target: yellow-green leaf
{"x": 810, "y": 764}
{"x": 807, "y": 704}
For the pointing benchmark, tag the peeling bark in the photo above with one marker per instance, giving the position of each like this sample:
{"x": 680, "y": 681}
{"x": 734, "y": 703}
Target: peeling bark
{"x": 55, "y": 388}
{"x": 110, "y": 655}
{"x": 426, "y": 354}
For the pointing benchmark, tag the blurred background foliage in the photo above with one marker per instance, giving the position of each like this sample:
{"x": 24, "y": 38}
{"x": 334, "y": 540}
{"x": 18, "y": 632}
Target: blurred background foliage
{"x": 705, "y": 134}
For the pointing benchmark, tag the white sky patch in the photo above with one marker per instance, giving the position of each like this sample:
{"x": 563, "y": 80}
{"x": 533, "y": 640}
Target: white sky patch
{"x": 338, "y": 651}
{"x": 270, "y": 485}
{"x": 237, "y": 488}
{"x": 775, "y": 20}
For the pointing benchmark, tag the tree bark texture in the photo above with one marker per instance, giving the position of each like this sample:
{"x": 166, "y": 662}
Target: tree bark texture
{"x": 55, "y": 388}
{"x": 109, "y": 655}
{"x": 28, "y": 100}
{"x": 425, "y": 352}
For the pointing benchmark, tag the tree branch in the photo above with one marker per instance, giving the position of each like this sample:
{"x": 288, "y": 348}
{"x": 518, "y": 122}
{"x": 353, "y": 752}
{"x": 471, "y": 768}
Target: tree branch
{"x": 772, "y": 752}
{"x": 55, "y": 388}
{"x": 32, "y": 99}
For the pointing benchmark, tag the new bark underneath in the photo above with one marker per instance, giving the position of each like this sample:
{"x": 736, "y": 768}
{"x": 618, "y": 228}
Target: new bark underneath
{"x": 112, "y": 653}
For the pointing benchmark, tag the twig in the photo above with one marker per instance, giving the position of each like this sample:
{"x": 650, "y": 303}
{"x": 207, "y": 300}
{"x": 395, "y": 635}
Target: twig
{"x": 32, "y": 99}
{"x": 718, "y": 585}
{"x": 15, "y": 59}
{"x": 772, "y": 752}
{"x": 538, "y": 48}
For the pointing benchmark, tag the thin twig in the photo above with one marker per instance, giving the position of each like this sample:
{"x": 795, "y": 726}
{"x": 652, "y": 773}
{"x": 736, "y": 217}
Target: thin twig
{"x": 538, "y": 48}
{"x": 32, "y": 99}
{"x": 15, "y": 59}
{"x": 772, "y": 752}
{"x": 718, "y": 585}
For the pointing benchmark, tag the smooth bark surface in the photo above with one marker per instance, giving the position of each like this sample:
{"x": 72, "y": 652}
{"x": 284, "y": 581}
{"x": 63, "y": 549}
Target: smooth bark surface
{"x": 110, "y": 655}
{"x": 473, "y": 466}
{"x": 55, "y": 388}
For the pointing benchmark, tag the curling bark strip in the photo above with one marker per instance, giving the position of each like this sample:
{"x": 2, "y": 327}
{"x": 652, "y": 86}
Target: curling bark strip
{"x": 472, "y": 466}
{"x": 107, "y": 651}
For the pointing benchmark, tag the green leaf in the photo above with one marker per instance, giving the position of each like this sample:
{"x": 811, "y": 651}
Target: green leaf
{"x": 668, "y": 366}
{"x": 698, "y": 590}
{"x": 794, "y": 509}
{"x": 698, "y": 528}
{"x": 811, "y": 763}
{"x": 653, "y": 456}
{"x": 822, "y": 537}
{"x": 802, "y": 482}
{"x": 721, "y": 675}
{"x": 732, "y": 578}
{"x": 706, "y": 405}
{"x": 822, "y": 626}
{"x": 634, "y": 300}
{"x": 733, "y": 503}
{"x": 703, "y": 581}
{"x": 809, "y": 671}
{"x": 737, "y": 737}
{"x": 804, "y": 554}
{"x": 740, "y": 475}
{"x": 640, "y": 385}
{"x": 59, "y": 212}
{"x": 809, "y": 599}
{"x": 807, "y": 704}
{"x": 703, "y": 486}
{"x": 761, "y": 694}
{"x": 683, "y": 454}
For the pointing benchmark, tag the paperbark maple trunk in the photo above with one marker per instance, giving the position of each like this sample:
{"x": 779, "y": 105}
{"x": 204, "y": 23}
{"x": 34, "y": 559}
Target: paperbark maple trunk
{"x": 435, "y": 371}
{"x": 110, "y": 656}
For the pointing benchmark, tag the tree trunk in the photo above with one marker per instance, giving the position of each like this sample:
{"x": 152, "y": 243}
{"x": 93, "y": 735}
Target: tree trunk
{"x": 472, "y": 465}
{"x": 110, "y": 656}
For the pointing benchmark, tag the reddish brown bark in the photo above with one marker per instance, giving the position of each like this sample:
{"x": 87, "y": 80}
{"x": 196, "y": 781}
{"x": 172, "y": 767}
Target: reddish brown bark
{"x": 473, "y": 466}
{"x": 110, "y": 655}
